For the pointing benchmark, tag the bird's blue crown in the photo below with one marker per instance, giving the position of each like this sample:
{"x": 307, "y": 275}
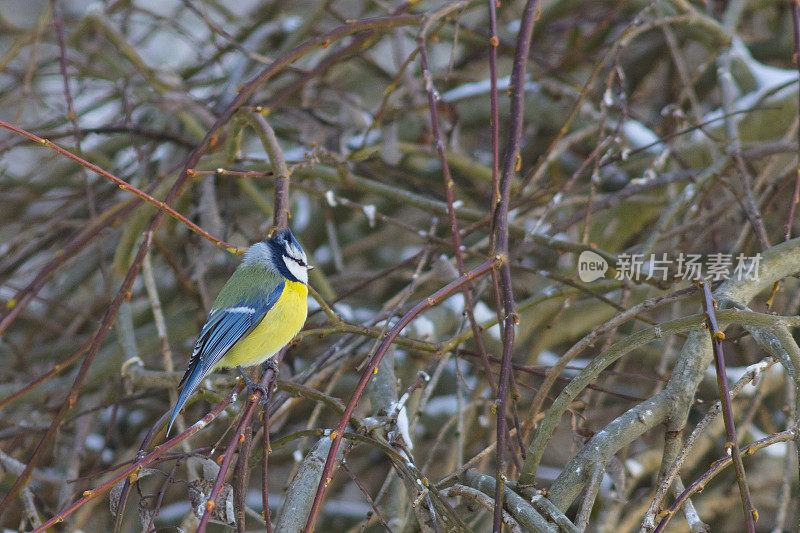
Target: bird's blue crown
{"x": 282, "y": 254}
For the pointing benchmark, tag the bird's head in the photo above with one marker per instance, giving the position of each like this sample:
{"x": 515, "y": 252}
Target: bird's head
{"x": 282, "y": 254}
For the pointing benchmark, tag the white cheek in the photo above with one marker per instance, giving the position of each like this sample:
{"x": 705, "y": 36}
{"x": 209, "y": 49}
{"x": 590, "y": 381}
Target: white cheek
{"x": 297, "y": 271}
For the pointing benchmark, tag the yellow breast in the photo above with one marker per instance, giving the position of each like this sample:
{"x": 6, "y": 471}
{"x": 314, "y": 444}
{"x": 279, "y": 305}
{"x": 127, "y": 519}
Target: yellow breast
{"x": 275, "y": 330}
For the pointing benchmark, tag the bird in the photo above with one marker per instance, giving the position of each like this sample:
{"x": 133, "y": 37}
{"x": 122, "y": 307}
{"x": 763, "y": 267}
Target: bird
{"x": 257, "y": 312}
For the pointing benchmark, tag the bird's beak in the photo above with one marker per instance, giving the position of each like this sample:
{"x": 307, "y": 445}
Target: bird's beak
{"x": 310, "y": 267}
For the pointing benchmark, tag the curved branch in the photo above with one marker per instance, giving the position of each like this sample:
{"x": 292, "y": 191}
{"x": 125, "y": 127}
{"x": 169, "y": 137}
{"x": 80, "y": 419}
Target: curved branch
{"x": 673, "y": 402}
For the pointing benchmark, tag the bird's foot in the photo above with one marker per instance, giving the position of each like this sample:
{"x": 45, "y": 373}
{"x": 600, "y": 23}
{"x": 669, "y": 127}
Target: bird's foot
{"x": 270, "y": 363}
{"x": 253, "y": 386}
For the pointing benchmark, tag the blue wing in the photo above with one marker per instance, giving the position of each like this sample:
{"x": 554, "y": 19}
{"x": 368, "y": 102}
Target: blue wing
{"x": 223, "y": 328}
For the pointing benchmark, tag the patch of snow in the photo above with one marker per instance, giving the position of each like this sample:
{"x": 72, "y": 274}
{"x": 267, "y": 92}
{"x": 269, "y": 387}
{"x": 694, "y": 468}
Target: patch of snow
{"x": 638, "y": 135}
{"x": 479, "y": 88}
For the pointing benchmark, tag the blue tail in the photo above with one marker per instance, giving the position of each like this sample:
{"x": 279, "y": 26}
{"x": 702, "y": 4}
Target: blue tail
{"x": 191, "y": 384}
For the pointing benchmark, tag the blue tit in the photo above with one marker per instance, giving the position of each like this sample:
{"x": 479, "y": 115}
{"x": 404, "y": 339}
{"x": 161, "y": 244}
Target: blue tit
{"x": 258, "y": 311}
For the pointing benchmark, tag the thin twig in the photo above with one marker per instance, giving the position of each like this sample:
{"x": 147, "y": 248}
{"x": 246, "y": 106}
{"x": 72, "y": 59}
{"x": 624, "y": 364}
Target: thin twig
{"x": 125, "y": 186}
{"x": 717, "y": 467}
{"x": 238, "y": 436}
{"x": 510, "y": 167}
{"x": 279, "y": 168}
{"x": 266, "y": 450}
{"x": 674, "y": 468}
{"x": 796, "y": 195}
{"x": 449, "y": 185}
{"x": 141, "y": 463}
{"x": 336, "y": 435}
{"x": 74, "y": 390}
{"x": 731, "y": 446}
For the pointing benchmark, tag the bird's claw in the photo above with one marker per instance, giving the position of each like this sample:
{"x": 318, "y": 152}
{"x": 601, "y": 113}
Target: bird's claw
{"x": 270, "y": 363}
{"x": 252, "y": 386}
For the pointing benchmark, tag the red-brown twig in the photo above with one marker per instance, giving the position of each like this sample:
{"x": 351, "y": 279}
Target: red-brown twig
{"x": 104, "y": 130}
{"x": 280, "y": 221}
{"x": 122, "y": 501}
{"x": 449, "y": 185}
{"x": 494, "y": 114}
{"x": 72, "y": 396}
{"x": 330, "y": 61}
{"x": 510, "y": 167}
{"x": 136, "y": 466}
{"x": 365, "y": 492}
{"x": 209, "y": 142}
{"x": 72, "y": 116}
{"x": 336, "y": 435}
{"x": 78, "y": 243}
{"x": 717, "y": 467}
{"x": 731, "y": 446}
{"x": 160, "y": 498}
{"x": 265, "y": 460}
{"x": 321, "y": 41}
{"x": 145, "y": 444}
{"x": 796, "y": 195}
{"x": 238, "y": 436}
{"x": 125, "y": 186}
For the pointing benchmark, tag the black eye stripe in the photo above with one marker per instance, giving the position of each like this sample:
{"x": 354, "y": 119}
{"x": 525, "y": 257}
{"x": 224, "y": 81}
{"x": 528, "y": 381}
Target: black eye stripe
{"x": 296, "y": 260}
